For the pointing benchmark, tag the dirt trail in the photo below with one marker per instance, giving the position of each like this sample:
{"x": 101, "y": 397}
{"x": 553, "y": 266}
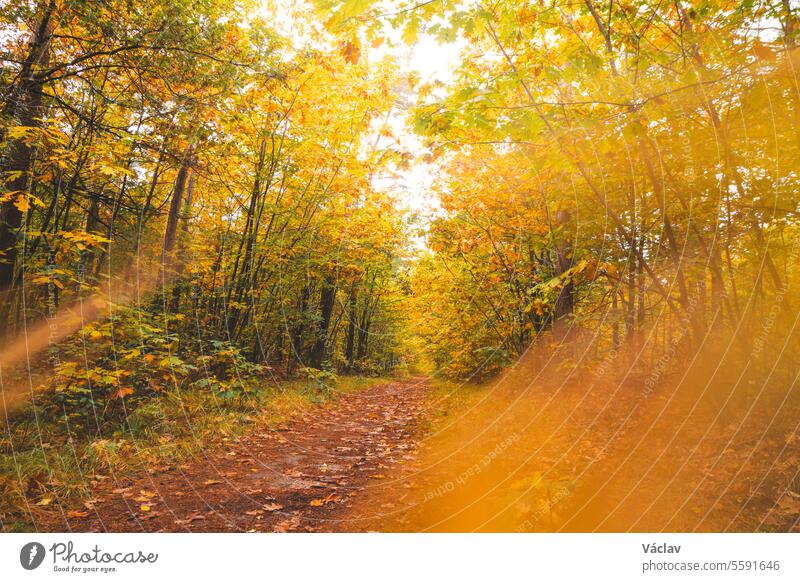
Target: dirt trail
{"x": 550, "y": 454}
{"x": 522, "y": 454}
{"x": 300, "y": 477}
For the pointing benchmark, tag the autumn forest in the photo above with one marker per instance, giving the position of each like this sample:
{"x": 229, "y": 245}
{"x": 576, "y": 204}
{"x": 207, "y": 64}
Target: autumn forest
{"x": 399, "y": 265}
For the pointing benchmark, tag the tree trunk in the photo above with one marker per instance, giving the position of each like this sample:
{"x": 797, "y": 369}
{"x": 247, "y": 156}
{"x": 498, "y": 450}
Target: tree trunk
{"x": 24, "y": 108}
{"x": 565, "y": 302}
{"x": 171, "y": 230}
{"x": 298, "y": 331}
{"x": 363, "y": 336}
{"x": 352, "y": 314}
{"x": 630, "y": 313}
{"x": 180, "y": 259}
{"x": 326, "y": 302}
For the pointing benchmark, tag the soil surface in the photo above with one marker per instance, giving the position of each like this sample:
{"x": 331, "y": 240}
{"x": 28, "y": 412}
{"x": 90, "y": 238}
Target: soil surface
{"x": 522, "y": 454}
{"x": 303, "y": 476}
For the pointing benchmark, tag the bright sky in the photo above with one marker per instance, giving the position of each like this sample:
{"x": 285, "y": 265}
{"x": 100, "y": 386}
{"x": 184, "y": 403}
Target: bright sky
{"x": 431, "y": 61}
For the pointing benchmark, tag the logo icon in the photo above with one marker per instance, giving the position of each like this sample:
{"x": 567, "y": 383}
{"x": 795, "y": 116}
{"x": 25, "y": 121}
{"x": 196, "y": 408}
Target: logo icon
{"x": 31, "y": 555}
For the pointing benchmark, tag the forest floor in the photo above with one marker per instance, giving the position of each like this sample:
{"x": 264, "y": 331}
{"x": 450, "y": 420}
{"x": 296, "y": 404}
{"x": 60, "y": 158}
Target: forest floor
{"x": 301, "y": 476}
{"x": 574, "y": 452}
{"x": 511, "y": 455}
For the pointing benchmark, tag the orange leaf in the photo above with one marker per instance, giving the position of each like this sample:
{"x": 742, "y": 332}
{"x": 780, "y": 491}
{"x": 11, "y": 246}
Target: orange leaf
{"x": 123, "y": 392}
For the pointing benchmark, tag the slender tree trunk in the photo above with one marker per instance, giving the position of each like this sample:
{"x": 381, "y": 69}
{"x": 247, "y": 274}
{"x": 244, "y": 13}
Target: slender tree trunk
{"x": 363, "y": 336}
{"x": 299, "y": 330}
{"x": 326, "y": 302}
{"x": 565, "y": 302}
{"x": 630, "y": 316}
{"x": 180, "y": 258}
{"x": 352, "y": 314}
{"x": 615, "y": 324}
{"x": 176, "y": 201}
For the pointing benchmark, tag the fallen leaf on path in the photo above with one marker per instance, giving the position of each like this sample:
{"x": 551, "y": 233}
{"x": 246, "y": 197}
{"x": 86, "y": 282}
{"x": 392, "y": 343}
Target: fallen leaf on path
{"x": 271, "y": 506}
{"x": 287, "y": 524}
{"x": 191, "y": 518}
{"x": 77, "y": 513}
{"x": 211, "y": 482}
{"x": 789, "y": 504}
{"x": 45, "y": 501}
{"x": 144, "y": 507}
{"x": 320, "y": 502}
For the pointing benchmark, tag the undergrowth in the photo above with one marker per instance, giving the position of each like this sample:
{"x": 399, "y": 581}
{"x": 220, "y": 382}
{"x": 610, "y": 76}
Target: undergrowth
{"x": 46, "y": 461}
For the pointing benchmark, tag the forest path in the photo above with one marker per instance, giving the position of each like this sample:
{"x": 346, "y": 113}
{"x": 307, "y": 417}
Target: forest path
{"x": 516, "y": 455}
{"x": 299, "y": 477}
